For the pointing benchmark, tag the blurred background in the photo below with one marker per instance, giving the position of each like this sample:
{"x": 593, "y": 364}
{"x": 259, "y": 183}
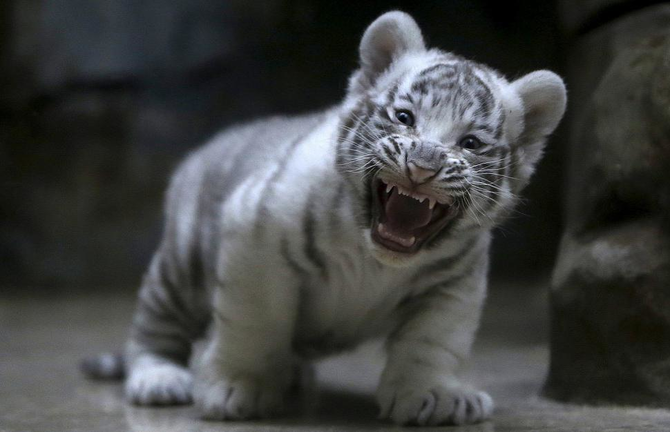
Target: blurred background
{"x": 99, "y": 100}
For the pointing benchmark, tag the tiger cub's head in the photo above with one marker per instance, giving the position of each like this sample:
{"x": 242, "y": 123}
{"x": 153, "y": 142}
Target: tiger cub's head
{"x": 436, "y": 145}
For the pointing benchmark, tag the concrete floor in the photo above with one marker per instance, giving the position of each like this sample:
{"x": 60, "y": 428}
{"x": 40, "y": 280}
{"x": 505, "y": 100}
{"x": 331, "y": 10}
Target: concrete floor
{"x": 42, "y": 341}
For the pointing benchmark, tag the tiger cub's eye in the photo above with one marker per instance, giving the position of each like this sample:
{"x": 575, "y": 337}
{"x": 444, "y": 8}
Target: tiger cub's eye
{"x": 470, "y": 143}
{"x": 405, "y": 117}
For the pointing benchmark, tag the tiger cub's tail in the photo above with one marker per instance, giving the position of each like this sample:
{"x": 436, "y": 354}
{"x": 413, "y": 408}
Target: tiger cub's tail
{"x": 106, "y": 366}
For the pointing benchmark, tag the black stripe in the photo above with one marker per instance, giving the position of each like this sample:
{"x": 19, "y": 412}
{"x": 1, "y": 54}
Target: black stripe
{"x": 443, "y": 264}
{"x": 445, "y": 86}
{"x": 499, "y": 126}
{"x": 420, "y": 87}
{"x": 446, "y": 69}
{"x": 396, "y": 146}
{"x": 163, "y": 299}
{"x": 485, "y": 128}
{"x": 312, "y": 252}
{"x": 263, "y": 212}
{"x": 163, "y": 310}
{"x": 155, "y": 306}
{"x": 388, "y": 152}
{"x": 447, "y": 78}
{"x": 392, "y": 94}
{"x": 173, "y": 290}
{"x": 439, "y": 288}
{"x": 407, "y": 97}
{"x": 290, "y": 261}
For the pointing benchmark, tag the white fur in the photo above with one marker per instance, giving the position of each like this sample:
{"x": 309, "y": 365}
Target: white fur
{"x": 159, "y": 383}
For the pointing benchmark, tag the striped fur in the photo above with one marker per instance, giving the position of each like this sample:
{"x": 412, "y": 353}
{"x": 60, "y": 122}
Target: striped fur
{"x": 268, "y": 245}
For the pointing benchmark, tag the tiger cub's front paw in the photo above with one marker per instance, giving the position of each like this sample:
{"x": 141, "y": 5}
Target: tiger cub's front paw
{"x": 159, "y": 384}
{"x": 432, "y": 405}
{"x": 238, "y": 399}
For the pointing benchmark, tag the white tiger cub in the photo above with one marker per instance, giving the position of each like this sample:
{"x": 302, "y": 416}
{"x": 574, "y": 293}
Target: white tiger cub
{"x": 294, "y": 238}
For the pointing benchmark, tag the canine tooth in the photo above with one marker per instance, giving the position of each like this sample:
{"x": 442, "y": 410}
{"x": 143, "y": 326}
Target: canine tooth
{"x": 431, "y": 203}
{"x": 389, "y": 187}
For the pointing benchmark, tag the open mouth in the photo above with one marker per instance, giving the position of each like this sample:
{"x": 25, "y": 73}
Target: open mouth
{"x": 405, "y": 219}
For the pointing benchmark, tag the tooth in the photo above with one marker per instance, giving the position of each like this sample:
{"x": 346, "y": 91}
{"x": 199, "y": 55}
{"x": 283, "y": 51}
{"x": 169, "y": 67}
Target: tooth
{"x": 431, "y": 203}
{"x": 389, "y": 188}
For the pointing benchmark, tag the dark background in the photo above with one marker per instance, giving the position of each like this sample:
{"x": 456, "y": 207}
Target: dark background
{"x": 100, "y": 99}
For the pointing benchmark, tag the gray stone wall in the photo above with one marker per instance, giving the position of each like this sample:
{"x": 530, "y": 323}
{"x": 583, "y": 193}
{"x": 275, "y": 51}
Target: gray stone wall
{"x": 610, "y": 297}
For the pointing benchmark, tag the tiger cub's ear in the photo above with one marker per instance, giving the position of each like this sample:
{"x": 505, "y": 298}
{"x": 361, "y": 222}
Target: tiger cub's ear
{"x": 387, "y": 38}
{"x": 544, "y": 98}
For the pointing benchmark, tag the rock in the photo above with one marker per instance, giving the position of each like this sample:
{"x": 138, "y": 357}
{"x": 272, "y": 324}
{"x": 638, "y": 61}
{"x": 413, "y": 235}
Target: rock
{"x": 610, "y": 299}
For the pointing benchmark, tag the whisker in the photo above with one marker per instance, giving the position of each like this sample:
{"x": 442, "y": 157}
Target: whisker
{"x": 478, "y": 182}
{"x": 365, "y": 139}
{"x": 365, "y": 124}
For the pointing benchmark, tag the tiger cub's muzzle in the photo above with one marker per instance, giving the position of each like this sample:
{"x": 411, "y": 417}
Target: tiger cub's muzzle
{"x": 410, "y": 209}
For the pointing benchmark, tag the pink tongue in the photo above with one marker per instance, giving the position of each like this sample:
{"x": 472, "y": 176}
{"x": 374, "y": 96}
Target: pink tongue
{"x": 404, "y": 214}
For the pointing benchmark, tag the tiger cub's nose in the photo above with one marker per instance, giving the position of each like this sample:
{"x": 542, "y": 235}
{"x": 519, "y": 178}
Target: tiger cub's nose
{"x": 419, "y": 174}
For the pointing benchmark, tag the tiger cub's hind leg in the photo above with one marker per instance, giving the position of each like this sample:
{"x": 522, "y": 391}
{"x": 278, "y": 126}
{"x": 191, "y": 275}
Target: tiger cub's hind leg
{"x": 164, "y": 328}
